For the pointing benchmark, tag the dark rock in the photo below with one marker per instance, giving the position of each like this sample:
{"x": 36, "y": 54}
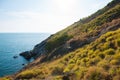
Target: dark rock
{"x": 27, "y": 54}
{"x": 40, "y": 49}
{"x": 37, "y": 51}
{"x": 23, "y": 64}
{"x": 15, "y": 57}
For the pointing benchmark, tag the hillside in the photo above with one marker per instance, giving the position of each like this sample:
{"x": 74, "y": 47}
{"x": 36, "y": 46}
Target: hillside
{"x": 78, "y": 34}
{"x": 86, "y": 50}
{"x": 98, "y": 60}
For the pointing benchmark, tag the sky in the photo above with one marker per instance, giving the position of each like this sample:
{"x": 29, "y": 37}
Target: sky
{"x": 46, "y": 16}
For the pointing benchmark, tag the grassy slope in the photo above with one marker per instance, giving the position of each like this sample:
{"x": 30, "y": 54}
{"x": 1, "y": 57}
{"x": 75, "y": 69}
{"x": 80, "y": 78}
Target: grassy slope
{"x": 79, "y": 32}
{"x": 101, "y": 11}
{"x": 98, "y": 60}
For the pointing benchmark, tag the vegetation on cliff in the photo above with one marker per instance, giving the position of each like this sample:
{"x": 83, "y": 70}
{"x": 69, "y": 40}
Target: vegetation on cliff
{"x": 79, "y": 33}
{"x": 98, "y": 60}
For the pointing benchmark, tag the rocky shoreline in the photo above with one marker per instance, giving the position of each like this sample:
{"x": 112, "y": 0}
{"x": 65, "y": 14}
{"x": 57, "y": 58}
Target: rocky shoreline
{"x": 38, "y": 50}
{"x": 27, "y": 54}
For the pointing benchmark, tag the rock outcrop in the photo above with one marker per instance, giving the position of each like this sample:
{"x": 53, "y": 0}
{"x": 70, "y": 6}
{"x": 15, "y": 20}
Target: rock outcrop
{"x": 38, "y": 50}
{"x": 27, "y": 54}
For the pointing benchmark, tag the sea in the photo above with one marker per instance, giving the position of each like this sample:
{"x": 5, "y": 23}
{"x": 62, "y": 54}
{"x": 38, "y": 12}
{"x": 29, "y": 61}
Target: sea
{"x": 11, "y": 44}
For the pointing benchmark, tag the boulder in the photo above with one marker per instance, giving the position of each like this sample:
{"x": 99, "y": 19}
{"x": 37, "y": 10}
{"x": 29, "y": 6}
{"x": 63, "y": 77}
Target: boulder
{"x": 15, "y": 57}
{"x": 23, "y": 64}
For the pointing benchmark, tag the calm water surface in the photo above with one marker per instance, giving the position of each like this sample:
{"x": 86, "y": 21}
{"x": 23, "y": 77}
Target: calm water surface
{"x": 11, "y": 44}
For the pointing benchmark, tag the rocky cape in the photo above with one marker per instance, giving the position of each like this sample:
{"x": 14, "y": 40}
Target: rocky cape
{"x": 38, "y": 50}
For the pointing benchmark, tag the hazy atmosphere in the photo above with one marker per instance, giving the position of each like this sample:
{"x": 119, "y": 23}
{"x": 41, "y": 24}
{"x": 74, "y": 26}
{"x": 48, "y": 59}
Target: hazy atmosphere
{"x": 44, "y": 15}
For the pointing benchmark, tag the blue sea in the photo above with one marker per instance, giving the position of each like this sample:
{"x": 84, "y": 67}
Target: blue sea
{"x": 11, "y": 44}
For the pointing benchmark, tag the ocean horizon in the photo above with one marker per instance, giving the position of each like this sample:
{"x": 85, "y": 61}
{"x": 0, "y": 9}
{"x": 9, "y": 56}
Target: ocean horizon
{"x": 11, "y": 44}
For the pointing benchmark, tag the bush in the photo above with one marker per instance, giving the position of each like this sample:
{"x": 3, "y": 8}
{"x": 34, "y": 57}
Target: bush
{"x": 118, "y": 42}
{"x": 95, "y": 73}
{"x": 109, "y": 51}
{"x": 58, "y": 78}
{"x": 117, "y": 56}
{"x": 106, "y": 45}
{"x": 71, "y": 61}
{"x": 90, "y": 52}
{"x": 116, "y": 59}
{"x": 93, "y": 61}
{"x": 110, "y": 38}
{"x": 114, "y": 62}
{"x": 75, "y": 68}
{"x": 83, "y": 55}
{"x": 27, "y": 74}
{"x": 66, "y": 70}
{"x": 104, "y": 64}
{"x": 117, "y": 77}
{"x": 80, "y": 73}
{"x": 69, "y": 68}
{"x": 6, "y": 78}
{"x": 113, "y": 71}
{"x": 57, "y": 71}
{"x": 56, "y": 41}
{"x": 78, "y": 62}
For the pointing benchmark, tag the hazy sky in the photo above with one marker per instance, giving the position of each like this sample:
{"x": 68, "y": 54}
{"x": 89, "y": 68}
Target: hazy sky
{"x": 44, "y": 15}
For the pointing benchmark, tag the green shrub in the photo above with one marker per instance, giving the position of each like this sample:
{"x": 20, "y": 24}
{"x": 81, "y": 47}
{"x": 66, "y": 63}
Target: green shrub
{"x": 90, "y": 52}
{"x": 93, "y": 61}
{"x": 57, "y": 70}
{"x": 85, "y": 60}
{"x": 6, "y": 78}
{"x": 83, "y": 55}
{"x": 80, "y": 73}
{"x": 110, "y": 38}
{"x": 71, "y": 61}
{"x": 116, "y": 59}
{"x": 27, "y": 74}
{"x": 68, "y": 68}
{"x": 117, "y": 56}
{"x": 109, "y": 51}
{"x": 75, "y": 68}
{"x": 57, "y": 78}
{"x": 113, "y": 71}
{"x": 82, "y": 63}
{"x": 56, "y": 41}
{"x": 106, "y": 45}
{"x": 96, "y": 51}
{"x": 114, "y": 62}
